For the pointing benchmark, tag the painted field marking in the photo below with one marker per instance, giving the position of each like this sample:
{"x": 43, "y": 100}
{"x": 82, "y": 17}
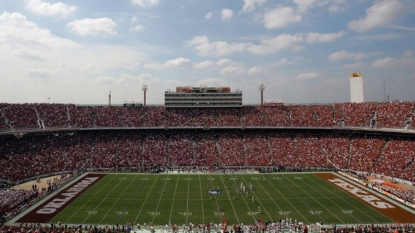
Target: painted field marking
{"x": 288, "y": 201}
{"x": 201, "y": 198}
{"x": 174, "y": 197}
{"x": 345, "y": 201}
{"x": 91, "y": 212}
{"x": 188, "y": 191}
{"x": 316, "y": 201}
{"x": 118, "y": 199}
{"x": 220, "y": 213}
{"x": 237, "y": 219}
{"x": 256, "y": 197}
{"x": 161, "y": 195}
{"x": 148, "y": 193}
{"x": 121, "y": 212}
{"x": 285, "y": 213}
{"x": 99, "y": 192}
{"x": 315, "y": 212}
{"x": 249, "y": 209}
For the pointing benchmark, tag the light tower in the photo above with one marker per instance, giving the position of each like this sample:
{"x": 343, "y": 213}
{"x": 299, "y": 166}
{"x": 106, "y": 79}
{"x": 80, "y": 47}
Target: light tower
{"x": 145, "y": 88}
{"x": 109, "y": 99}
{"x": 261, "y": 89}
{"x": 356, "y": 87}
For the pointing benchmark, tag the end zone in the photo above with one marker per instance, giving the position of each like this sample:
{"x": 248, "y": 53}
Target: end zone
{"x": 376, "y": 202}
{"x": 49, "y": 209}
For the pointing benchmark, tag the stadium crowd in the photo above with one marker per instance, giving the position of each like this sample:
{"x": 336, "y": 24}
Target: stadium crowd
{"x": 39, "y": 116}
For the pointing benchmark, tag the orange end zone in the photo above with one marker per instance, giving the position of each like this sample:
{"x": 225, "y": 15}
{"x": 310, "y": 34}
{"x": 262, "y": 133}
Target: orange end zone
{"x": 378, "y": 203}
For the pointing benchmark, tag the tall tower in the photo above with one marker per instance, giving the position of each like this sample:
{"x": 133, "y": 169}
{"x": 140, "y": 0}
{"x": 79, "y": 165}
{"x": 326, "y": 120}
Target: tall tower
{"x": 109, "y": 99}
{"x": 145, "y": 88}
{"x": 261, "y": 87}
{"x": 356, "y": 87}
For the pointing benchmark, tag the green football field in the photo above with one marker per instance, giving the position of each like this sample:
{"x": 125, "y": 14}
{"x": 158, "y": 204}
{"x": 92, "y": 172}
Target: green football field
{"x": 184, "y": 198}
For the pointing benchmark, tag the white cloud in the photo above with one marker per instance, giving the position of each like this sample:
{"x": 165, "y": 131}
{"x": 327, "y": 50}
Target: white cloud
{"x": 249, "y": 5}
{"x": 48, "y": 9}
{"x": 218, "y": 48}
{"x": 394, "y": 62}
{"x": 345, "y": 55}
{"x": 313, "y": 37}
{"x": 353, "y": 66}
{"x": 379, "y": 14}
{"x": 377, "y": 37}
{"x": 178, "y": 62}
{"x": 283, "y": 61}
{"x": 154, "y": 66}
{"x": 145, "y": 3}
{"x": 95, "y": 27}
{"x": 402, "y": 28}
{"x": 304, "y": 5}
{"x": 204, "y": 65}
{"x": 211, "y": 82}
{"x": 234, "y": 69}
{"x": 226, "y": 14}
{"x": 307, "y": 76}
{"x": 127, "y": 79}
{"x": 280, "y": 17}
{"x": 223, "y": 62}
{"x": 272, "y": 45}
{"x": 208, "y": 15}
{"x": 17, "y": 31}
{"x": 266, "y": 46}
{"x": 136, "y": 28}
{"x": 256, "y": 70}
{"x": 133, "y": 19}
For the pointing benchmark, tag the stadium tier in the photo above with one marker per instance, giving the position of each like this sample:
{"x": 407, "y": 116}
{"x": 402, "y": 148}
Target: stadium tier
{"x": 46, "y": 116}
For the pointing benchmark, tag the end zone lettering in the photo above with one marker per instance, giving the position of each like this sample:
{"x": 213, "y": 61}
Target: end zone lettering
{"x": 374, "y": 201}
{"x": 62, "y": 198}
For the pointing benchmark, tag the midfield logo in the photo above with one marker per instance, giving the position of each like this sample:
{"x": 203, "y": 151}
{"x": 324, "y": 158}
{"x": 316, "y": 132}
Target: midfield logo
{"x": 214, "y": 192}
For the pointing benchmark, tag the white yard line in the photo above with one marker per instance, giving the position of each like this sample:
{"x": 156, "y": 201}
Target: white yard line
{"x": 161, "y": 195}
{"x": 237, "y": 219}
{"x": 188, "y": 189}
{"x": 99, "y": 191}
{"x": 103, "y": 200}
{"x": 243, "y": 197}
{"x": 174, "y": 197}
{"x": 144, "y": 202}
{"x": 201, "y": 198}
{"x": 315, "y": 200}
{"x": 335, "y": 202}
{"x": 117, "y": 200}
{"x": 305, "y": 219}
{"x": 256, "y": 197}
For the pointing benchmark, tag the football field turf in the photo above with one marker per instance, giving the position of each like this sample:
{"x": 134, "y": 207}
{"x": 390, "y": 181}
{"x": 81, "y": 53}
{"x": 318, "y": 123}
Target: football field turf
{"x": 184, "y": 198}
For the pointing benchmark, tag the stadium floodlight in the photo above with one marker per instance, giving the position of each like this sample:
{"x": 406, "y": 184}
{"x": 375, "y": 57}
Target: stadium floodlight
{"x": 261, "y": 87}
{"x": 145, "y": 88}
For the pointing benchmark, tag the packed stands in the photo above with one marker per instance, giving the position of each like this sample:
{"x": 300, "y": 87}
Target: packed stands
{"x": 336, "y": 149}
{"x": 54, "y": 115}
{"x": 204, "y": 117}
{"x": 229, "y": 117}
{"x": 324, "y": 115}
{"x": 180, "y": 117}
{"x": 154, "y": 116}
{"x": 155, "y": 149}
{"x": 181, "y": 151}
{"x": 276, "y": 116}
{"x": 309, "y": 151}
{"x": 129, "y": 149}
{"x": 358, "y": 114}
{"x": 302, "y": 115}
{"x": 393, "y": 115}
{"x": 85, "y": 116}
{"x": 21, "y": 116}
{"x": 364, "y": 152}
{"x": 256, "y": 149}
{"x": 283, "y": 151}
{"x": 206, "y": 151}
{"x": 252, "y": 116}
{"x": 231, "y": 149}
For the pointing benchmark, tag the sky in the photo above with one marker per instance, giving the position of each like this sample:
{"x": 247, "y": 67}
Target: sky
{"x": 78, "y": 51}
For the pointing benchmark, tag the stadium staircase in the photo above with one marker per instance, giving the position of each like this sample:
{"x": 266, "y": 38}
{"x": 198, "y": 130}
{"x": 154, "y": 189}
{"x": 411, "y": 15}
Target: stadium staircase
{"x": 6, "y": 121}
{"x": 408, "y": 121}
{"x": 381, "y": 153}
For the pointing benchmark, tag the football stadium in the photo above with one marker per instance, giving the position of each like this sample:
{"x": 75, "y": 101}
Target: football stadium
{"x": 151, "y": 116}
{"x": 271, "y": 167}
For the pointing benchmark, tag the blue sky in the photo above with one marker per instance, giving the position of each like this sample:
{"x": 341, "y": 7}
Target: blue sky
{"x": 303, "y": 50}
